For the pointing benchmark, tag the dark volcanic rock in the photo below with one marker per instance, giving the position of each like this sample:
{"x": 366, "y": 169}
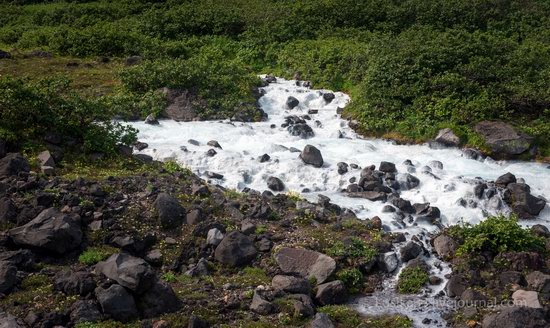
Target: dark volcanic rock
{"x": 158, "y": 299}
{"x": 8, "y": 277}
{"x": 291, "y": 284}
{"x": 518, "y": 197}
{"x": 333, "y": 292}
{"x": 49, "y": 231}
{"x": 275, "y": 184}
{"x": 171, "y": 214}
{"x": 328, "y": 97}
{"x": 410, "y": 251}
{"x": 85, "y": 311}
{"x": 13, "y": 164}
{"x": 74, "y": 283}
{"x": 447, "y": 137}
{"x": 129, "y": 271}
{"x": 306, "y": 263}
{"x": 312, "y": 156}
{"x": 516, "y": 317}
{"x": 503, "y": 139}
{"x": 236, "y": 249}
{"x": 321, "y": 320}
{"x": 8, "y": 211}
{"x": 117, "y": 303}
{"x": 292, "y": 102}
{"x": 504, "y": 180}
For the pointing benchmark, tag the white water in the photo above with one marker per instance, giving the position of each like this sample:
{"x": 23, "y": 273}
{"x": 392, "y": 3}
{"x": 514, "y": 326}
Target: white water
{"x": 243, "y": 143}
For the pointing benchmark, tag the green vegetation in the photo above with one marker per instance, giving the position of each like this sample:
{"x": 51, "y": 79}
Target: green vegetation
{"x": 95, "y": 254}
{"x": 411, "y": 67}
{"x": 354, "y": 249}
{"x": 345, "y": 316}
{"x": 352, "y": 278}
{"x": 411, "y": 280}
{"x": 496, "y": 234}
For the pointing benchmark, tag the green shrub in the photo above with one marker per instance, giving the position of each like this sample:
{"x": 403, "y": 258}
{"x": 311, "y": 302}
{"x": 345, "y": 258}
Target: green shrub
{"x": 342, "y": 314}
{"x": 354, "y": 250}
{"x": 32, "y": 109}
{"x": 411, "y": 280}
{"x": 352, "y": 278}
{"x": 496, "y": 234}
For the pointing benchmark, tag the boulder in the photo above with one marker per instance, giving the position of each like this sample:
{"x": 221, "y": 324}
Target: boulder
{"x": 403, "y": 205}
{"x": 129, "y": 271}
{"x": 45, "y": 158}
{"x": 445, "y": 246}
{"x": 158, "y": 299}
{"x": 455, "y": 286}
{"x": 447, "y": 137}
{"x": 410, "y": 251}
{"x": 236, "y": 249}
{"x": 85, "y": 311}
{"x": 312, "y": 156}
{"x": 505, "y": 179}
{"x": 51, "y": 231}
{"x": 117, "y": 303}
{"x": 388, "y": 261}
{"x": 23, "y": 259}
{"x": 515, "y": 317}
{"x": 539, "y": 282}
{"x": 151, "y": 120}
{"x": 328, "y": 97}
{"x": 195, "y": 216}
{"x": 301, "y": 130}
{"x": 526, "y": 298}
{"x": 9, "y": 321}
{"x": 407, "y": 181}
{"x": 518, "y": 197}
{"x": 290, "y": 284}
{"x": 143, "y": 158}
{"x": 182, "y": 105}
{"x": 74, "y": 283}
{"x": 342, "y": 168}
{"x": 13, "y": 164}
{"x": 8, "y": 277}
{"x": 292, "y": 102}
{"x": 214, "y": 237}
{"x": 275, "y": 184}
{"x": 261, "y": 305}
{"x": 306, "y": 263}
{"x": 321, "y": 320}
{"x": 171, "y": 214}
{"x": 387, "y": 167}
{"x": 8, "y": 211}
{"x": 503, "y": 139}
{"x": 264, "y": 158}
{"x": 472, "y": 296}
{"x": 333, "y": 292}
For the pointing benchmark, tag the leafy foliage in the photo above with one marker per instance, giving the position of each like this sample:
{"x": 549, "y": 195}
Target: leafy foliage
{"x": 496, "y": 234}
{"x": 353, "y": 249}
{"x": 411, "y": 280}
{"x": 352, "y": 278}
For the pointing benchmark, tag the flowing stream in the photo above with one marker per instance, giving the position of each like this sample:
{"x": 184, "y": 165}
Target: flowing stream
{"x": 450, "y": 188}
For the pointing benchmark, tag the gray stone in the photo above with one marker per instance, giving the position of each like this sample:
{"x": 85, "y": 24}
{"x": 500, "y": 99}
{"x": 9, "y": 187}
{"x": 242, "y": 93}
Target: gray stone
{"x": 260, "y": 305}
{"x": 171, "y": 214}
{"x": 214, "y": 237}
{"x": 236, "y": 249}
{"x": 51, "y": 231}
{"x": 306, "y": 263}
{"x": 117, "y": 303}
{"x": 291, "y": 284}
{"x": 503, "y": 139}
{"x": 8, "y": 277}
{"x": 526, "y": 298}
{"x": 129, "y": 271}
{"x": 312, "y": 156}
{"x": 13, "y": 164}
{"x": 445, "y": 246}
{"x": 321, "y": 320}
{"x": 46, "y": 159}
{"x": 516, "y": 317}
{"x": 275, "y": 184}
{"x": 333, "y": 292}
{"x": 447, "y": 137}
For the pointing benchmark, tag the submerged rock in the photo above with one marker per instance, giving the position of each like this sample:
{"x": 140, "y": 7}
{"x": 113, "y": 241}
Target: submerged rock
{"x": 275, "y": 184}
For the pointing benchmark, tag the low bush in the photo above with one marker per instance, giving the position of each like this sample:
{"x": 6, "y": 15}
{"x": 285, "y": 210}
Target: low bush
{"x": 411, "y": 280}
{"x": 496, "y": 234}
